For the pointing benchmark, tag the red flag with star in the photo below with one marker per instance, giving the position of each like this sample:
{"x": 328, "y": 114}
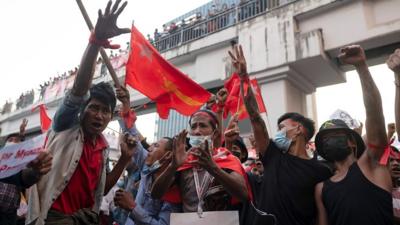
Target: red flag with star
{"x": 45, "y": 120}
{"x": 149, "y": 73}
{"x": 234, "y": 102}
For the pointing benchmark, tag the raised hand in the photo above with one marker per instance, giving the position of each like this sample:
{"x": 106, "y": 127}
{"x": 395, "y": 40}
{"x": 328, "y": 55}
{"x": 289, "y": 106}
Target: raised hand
{"x": 124, "y": 200}
{"x": 22, "y": 127}
{"x": 222, "y": 95}
{"x": 211, "y": 102}
{"x": 123, "y": 95}
{"x": 106, "y": 26}
{"x": 232, "y": 131}
{"x": 352, "y": 55}
{"x": 128, "y": 147}
{"x": 204, "y": 158}
{"x": 391, "y": 129}
{"x": 394, "y": 62}
{"x": 239, "y": 61}
{"x": 179, "y": 154}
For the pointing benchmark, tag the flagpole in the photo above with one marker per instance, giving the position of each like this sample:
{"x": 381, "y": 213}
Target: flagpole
{"x": 102, "y": 51}
{"x": 238, "y": 105}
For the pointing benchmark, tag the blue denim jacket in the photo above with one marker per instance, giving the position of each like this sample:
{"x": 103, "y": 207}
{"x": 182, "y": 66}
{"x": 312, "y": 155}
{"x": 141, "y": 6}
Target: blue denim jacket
{"x": 67, "y": 114}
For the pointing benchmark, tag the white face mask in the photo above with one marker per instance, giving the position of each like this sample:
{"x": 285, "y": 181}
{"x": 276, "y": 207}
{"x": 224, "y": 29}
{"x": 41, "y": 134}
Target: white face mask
{"x": 197, "y": 141}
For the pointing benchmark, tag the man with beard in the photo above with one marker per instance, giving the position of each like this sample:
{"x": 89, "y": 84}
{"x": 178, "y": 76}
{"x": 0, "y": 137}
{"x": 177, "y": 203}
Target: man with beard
{"x": 360, "y": 190}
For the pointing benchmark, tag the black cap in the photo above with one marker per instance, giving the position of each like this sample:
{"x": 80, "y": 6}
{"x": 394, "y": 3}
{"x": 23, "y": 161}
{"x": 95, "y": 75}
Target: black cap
{"x": 336, "y": 125}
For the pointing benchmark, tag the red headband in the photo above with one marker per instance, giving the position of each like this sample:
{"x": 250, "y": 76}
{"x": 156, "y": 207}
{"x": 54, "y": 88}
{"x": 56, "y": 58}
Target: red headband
{"x": 202, "y": 113}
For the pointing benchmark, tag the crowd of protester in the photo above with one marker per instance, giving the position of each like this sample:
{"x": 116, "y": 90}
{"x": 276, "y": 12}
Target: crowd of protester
{"x": 25, "y": 99}
{"x": 28, "y": 98}
{"x": 345, "y": 180}
{"x": 218, "y": 16}
{"x": 54, "y": 80}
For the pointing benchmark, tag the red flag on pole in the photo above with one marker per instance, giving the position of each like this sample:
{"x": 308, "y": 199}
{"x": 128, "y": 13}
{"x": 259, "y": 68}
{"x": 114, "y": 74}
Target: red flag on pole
{"x": 45, "y": 120}
{"x": 149, "y": 73}
{"x": 235, "y": 103}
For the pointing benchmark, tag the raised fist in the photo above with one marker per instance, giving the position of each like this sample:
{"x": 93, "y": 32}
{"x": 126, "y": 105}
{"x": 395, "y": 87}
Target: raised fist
{"x": 352, "y": 55}
{"x": 394, "y": 62}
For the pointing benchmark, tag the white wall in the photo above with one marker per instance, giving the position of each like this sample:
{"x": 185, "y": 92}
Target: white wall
{"x": 354, "y": 22}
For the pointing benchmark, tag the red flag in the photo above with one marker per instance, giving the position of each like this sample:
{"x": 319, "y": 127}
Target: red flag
{"x": 234, "y": 102}
{"x": 45, "y": 120}
{"x": 257, "y": 93}
{"x": 232, "y": 85}
{"x": 149, "y": 73}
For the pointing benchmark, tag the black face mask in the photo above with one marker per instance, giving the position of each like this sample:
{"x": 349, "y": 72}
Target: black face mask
{"x": 336, "y": 148}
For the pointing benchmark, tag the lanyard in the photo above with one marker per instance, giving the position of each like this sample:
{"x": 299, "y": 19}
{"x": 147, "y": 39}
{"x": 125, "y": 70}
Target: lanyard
{"x": 262, "y": 213}
{"x": 201, "y": 188}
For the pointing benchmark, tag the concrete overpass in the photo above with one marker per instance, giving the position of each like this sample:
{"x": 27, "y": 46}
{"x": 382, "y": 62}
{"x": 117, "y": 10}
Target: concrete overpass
{"x": 290, "y": 48}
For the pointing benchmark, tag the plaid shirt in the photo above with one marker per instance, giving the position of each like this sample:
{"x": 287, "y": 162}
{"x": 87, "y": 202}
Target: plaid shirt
{"x": 9, "y": 197}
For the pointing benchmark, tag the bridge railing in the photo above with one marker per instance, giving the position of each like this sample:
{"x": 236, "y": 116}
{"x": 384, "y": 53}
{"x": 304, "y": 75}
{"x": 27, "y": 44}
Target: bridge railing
{"x": 217, "y": 22}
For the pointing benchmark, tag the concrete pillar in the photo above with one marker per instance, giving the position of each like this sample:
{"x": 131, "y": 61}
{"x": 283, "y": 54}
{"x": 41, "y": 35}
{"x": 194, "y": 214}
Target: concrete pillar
{"x": 284, "y": 90}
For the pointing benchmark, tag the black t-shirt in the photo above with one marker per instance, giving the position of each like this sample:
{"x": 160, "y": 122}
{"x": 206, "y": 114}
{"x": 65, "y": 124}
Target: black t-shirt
{"x": 247, "y": 212}
{"x": 288, "y": 188}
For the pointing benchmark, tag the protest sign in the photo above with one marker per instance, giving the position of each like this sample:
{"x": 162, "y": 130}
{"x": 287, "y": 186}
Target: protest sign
{"x": 207, "y": 218}
{"x": 14, "y": 158}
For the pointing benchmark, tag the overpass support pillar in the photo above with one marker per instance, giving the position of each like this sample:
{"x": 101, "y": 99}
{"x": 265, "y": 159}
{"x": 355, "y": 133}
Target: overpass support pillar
{"x": 285, "y": 90}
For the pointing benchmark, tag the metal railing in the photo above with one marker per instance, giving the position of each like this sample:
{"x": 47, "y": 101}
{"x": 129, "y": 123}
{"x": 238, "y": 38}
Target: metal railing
{"x": 212, "y": 24}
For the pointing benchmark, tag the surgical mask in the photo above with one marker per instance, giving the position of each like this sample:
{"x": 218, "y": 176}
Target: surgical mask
{"x": 281, "y": 141}
{"x": 336, "y": 148}
{"x": 197, "y": 141}
{"x": 120, "y": 183}
{"x": 150, "y": 169}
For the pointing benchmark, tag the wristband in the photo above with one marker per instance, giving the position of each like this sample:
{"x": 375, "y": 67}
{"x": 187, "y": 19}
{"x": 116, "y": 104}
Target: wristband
{"x": 386, "y": 153}
{"x": 376, "y": 146}
{"x": 103, "y": 43}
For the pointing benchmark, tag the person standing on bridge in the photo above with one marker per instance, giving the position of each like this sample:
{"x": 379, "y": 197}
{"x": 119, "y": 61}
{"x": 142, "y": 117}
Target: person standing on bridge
{"x": 290, "y": 175}
{"x": 72, "y": 191}
{"x": 360, "y": 190}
